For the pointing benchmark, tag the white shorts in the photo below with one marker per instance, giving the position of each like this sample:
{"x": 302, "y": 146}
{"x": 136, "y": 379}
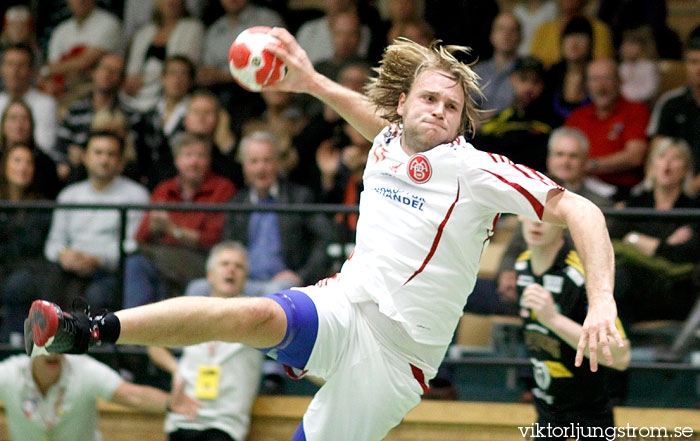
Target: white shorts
{"x": 369, "y": 387}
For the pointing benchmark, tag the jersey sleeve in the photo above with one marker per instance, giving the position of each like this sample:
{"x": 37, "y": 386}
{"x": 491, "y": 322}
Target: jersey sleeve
{"x": 497, "y": 183}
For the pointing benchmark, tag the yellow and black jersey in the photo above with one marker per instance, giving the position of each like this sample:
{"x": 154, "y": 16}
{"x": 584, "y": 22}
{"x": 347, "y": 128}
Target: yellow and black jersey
{"x": 560, "y": 387}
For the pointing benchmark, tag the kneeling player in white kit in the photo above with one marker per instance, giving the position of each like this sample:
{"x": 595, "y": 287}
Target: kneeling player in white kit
{"x": 379, "y": 329}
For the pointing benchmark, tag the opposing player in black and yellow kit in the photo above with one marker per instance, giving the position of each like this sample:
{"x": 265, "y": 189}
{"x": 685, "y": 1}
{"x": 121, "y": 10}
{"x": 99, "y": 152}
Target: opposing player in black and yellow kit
{"x": 551, "y": 287}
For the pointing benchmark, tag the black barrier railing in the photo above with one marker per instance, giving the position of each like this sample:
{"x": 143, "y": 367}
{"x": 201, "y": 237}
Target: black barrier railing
{"x": 342, "y": 233}
{"x": 222, "y": 207}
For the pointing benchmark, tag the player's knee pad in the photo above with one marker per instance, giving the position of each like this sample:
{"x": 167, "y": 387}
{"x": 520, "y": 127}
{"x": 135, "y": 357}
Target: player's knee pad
{"x": 302, "y": 328}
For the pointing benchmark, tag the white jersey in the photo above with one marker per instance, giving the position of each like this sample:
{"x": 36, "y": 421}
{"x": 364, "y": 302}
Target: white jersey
{"x": 68, "y": 409}
{"x": 238, "y": 371}
{"x": 424, "y": 222}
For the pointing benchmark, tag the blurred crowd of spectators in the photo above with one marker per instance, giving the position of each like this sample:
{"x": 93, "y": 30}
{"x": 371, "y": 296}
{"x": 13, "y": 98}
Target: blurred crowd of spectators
{"x": 132, "y": 101}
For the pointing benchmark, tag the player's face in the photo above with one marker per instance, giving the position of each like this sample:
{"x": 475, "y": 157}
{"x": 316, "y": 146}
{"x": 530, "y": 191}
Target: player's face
{"x": 19, "y": 169}
{"x": 193, "y": 162}
{"x": 431, "y": 112}
{"x": 229, "y": 274}
{"x": 669, "y": 169}
{"x": 603, "y": 83}
{"x": 565, "y": 160}
{"x": 692, "y": 68}
{"x": 540, "y": 234}
{"x": 103, "y": 159}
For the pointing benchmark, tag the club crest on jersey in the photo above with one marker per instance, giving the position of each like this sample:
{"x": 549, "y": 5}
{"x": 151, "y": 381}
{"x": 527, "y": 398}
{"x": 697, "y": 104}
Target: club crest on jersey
{"x": 419, "y": 169}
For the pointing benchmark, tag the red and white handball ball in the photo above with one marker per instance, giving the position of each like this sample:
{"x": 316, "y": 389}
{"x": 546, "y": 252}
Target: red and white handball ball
{"x": 251, "y": 65}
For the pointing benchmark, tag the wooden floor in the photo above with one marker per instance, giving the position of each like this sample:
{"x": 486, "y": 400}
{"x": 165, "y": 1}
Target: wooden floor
{"x": 276, "y": 419}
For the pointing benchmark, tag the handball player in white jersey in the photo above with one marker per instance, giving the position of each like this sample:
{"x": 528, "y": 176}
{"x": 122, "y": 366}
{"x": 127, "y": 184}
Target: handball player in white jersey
{"x": 378, "y": 331}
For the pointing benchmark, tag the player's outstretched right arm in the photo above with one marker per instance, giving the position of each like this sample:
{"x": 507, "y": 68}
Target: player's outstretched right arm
{"x": 301, "y": 77}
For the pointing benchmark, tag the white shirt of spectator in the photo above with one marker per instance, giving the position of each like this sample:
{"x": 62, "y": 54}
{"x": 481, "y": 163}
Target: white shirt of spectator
{"x": 96, "y": 232}
{"x": 239, "y": 379}
{"x": 68, "y": 411}
{"x": 425, "y": 221}
{"x": 100, "y": 30}
{"x": 185, "y": 39}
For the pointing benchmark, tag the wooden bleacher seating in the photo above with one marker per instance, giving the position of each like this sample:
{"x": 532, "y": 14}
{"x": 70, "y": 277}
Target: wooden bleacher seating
{"x": 275, "y": 418}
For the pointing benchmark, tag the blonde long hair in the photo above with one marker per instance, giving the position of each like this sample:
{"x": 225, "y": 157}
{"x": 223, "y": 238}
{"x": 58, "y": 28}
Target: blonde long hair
{"x": 660, "y": 146}
{"x": 401, "y": 64}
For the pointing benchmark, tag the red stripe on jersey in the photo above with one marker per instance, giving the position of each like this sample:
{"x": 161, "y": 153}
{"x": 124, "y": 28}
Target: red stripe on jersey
{"x": 438, "y": 235}
{"x": 420, "y": 378}
{"x": 499, "y": 158}
{"x": 525, "y": 172}
{"x": 524, "y": 169}
{"x": 536, "y": 205}
{"x": 490, "y": 233}
{"x": 546, "y": 179}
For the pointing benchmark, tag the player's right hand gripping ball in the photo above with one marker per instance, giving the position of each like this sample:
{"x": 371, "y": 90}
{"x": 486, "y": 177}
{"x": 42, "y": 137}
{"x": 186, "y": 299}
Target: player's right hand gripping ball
{"x": 251, "y": 65}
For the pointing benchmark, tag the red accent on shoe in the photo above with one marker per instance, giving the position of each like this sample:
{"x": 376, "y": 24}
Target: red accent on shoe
{"x": 43, "y": 312}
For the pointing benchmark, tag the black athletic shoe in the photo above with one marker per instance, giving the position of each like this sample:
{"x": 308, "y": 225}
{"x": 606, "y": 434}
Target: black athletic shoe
{"x": 49, "y": 329}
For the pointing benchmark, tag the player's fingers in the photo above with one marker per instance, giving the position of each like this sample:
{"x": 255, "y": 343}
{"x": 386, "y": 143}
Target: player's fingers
{"x": 282, "y": 34}
{"x": 288, "y": 41}
{"x": 581, "y": 347}
{"x": 605, "y": 346}
{"x": 279, "y": 51}
{"x": 593, "y": 349}
{"x": 616, "y": 335}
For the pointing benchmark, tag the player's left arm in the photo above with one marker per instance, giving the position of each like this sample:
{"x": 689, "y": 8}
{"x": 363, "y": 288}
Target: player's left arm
{"x": 592, "y": 241}
{"x": 541, "y": 302}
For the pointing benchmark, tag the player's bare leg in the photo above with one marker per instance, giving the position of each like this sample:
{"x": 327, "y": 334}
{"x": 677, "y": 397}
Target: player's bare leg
{"x": 258, "y": 322}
